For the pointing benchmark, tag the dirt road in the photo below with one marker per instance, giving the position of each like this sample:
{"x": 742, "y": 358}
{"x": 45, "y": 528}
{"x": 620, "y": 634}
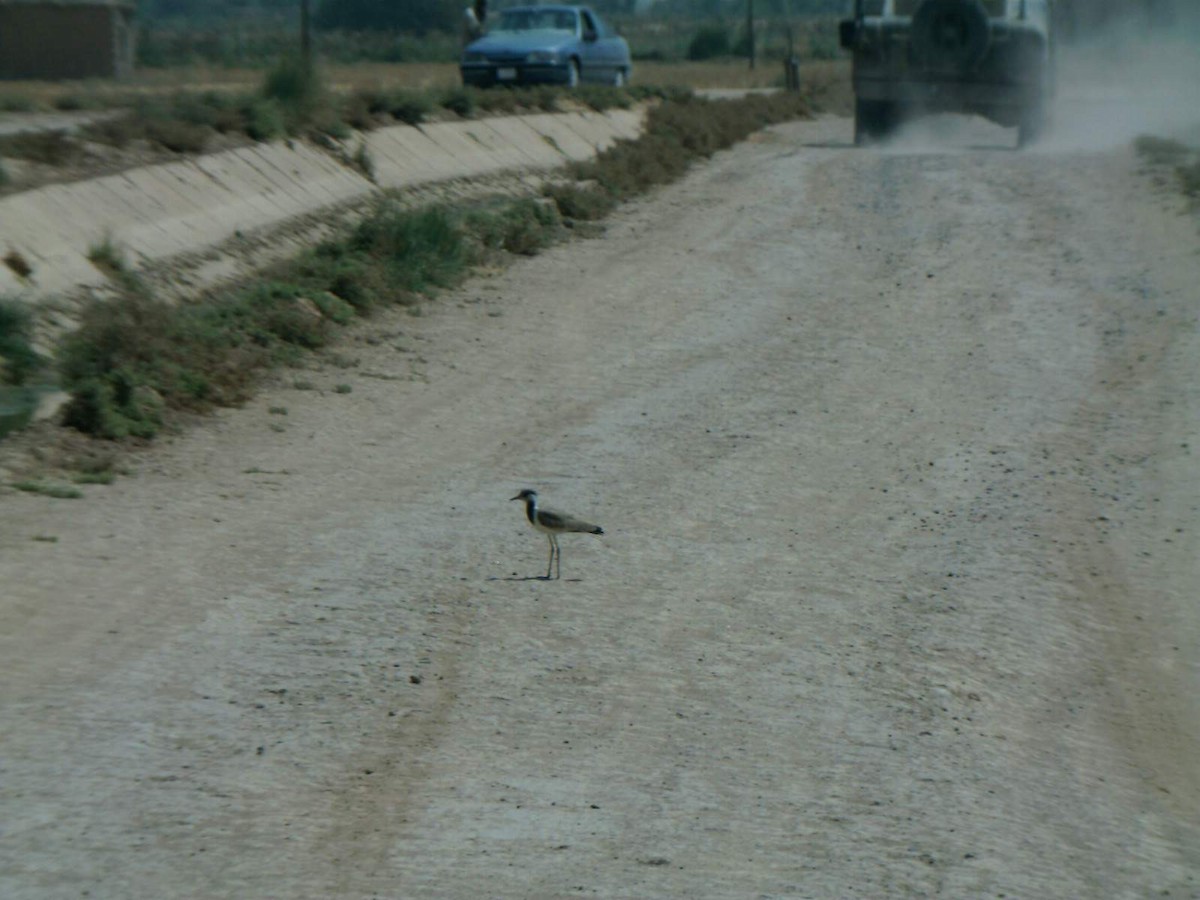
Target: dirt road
{"x": 897, "y": 456}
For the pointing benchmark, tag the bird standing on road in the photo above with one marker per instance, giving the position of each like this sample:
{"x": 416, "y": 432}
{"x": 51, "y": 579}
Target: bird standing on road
{"x": 552, "y": 524}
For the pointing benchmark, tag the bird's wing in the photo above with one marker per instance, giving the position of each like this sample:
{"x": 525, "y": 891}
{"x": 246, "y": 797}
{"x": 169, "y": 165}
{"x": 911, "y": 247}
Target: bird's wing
{"x": 562, "y": 522}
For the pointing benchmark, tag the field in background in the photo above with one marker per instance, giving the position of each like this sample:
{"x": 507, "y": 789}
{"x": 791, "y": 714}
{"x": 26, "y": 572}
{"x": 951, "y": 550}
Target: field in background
{"x": 27, "y": 96}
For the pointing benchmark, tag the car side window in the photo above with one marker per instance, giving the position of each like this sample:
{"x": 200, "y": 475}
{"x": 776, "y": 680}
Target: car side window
{"x": 589, "y": 24}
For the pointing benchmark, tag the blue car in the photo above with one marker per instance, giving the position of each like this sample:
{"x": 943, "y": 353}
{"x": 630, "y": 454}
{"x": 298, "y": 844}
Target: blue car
{"x": 547, "y": 45}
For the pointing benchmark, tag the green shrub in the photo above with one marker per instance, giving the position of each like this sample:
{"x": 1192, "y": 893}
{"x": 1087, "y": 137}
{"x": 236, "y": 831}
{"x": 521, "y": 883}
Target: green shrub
{"x": 583, "y": 203}
{"x": 460, "y": 101}
{"x": 114, "y": 407}
{"x": 334, "y": 308}
{"x": 501, "y": 101}
{"x": 332, "y": 268}
{"x": 1189, "y": 178}
{"x": 410, "y": 108}
{"x": 94, "y": 477}
{"x": 709, "y": 42}
{"x": 677, "y": 133}
{"x": 358, "y": 110}
{"x": 76, "y": 102}
{"x": 16, "y": 103}
{"x": 107, "y": 256}
{"x": 294, "y": 82}
{"x": 523, "y": 226}
{"x": 178, "y": 135}
{"x": 1160, "y": 150}
{"x": 1184, "y": 159}
{"x": 823, "y": 42}
{"x": 18, "y": 264}
{"x": 265, "y": 120}
{"x": 52, "y": 148}
{"x": 18, "y": 359}
{"x": 741, "y": 44}
{"x": 363, "y": 161}
{"x": 417, "y": 249}
{"x": 231, "y": 119}
{"x": 600, "y": 97}
{"x": 543, "y": 97}
{"x": 297, "y": 87}
{"x": 195, "y": 108}
{"x": 132, "y": 359}
{"x": 530, "y": 226}
{"x": 48, "y": 489}
{"x": 117, "y": 131}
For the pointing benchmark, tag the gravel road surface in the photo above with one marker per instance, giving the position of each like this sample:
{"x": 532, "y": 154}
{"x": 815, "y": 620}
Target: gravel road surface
{"x": 897, "y": 455}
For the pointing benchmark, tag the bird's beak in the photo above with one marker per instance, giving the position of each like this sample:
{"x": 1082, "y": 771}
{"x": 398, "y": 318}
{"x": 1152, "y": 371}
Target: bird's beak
{"x": 518, "y": 497}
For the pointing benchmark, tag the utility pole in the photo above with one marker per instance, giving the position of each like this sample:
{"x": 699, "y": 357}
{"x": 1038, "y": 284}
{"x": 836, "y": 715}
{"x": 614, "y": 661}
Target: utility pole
{"x": 305, "y": 35}
{"x": 750, "y": 31}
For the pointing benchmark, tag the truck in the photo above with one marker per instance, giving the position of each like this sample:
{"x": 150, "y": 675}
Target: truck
{"x": 992, "y": 58}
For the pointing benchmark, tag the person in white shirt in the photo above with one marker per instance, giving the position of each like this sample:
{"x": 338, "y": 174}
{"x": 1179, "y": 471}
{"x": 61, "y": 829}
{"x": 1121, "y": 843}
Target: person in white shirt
{"x": 473, "y": 20}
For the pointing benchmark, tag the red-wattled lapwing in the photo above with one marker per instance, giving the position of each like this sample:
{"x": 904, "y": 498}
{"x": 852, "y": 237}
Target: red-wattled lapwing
{"x": 552, "y": 524}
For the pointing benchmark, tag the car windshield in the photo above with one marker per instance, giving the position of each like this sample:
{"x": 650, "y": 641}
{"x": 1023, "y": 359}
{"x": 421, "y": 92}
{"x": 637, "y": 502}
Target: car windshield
{"x": 523, "y": 20}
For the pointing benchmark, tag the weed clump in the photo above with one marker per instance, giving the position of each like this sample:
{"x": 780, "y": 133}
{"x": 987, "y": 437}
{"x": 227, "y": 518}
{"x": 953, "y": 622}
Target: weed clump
{"x": 134, "y": 359}
{"x": 1189, "y": 179}
{"x": 51, "y": 148}
{"x": 1161, "y": 151}
{"x": 47, "y": 489}
{"x": 1184, "y": 159}
{"x": 709, "y": 42}
{"x": 523, "y": 227}
{"x": 265, "y": 120}
{"x": 460, "y": 101}
{"x": 416, "y": 250}
{"x": 678, "y": 132}
{"x": 18, "y": 359}
{"x": 583, "y": 202}
{"x": 296, "y": 85}
{"x": 18, "y": 264}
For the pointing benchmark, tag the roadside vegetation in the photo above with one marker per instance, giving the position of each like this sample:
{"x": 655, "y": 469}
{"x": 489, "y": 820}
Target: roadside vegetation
{"x": 344, "y": 40}
{"x": 294, "y": 100}
{"x": 135, "y": 360}
{"x": 20, "y": 366}
{"x": 18, "y": 359}
{"x": 1176, "y": 157}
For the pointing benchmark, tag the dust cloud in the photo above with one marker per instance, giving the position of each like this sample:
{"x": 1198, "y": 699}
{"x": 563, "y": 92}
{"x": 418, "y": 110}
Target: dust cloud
{"x": 1127, "y": 80}
{"x": 1114, "y": 84}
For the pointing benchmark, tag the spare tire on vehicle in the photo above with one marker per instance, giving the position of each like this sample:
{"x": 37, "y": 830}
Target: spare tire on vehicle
{"x": 950, "y": 36}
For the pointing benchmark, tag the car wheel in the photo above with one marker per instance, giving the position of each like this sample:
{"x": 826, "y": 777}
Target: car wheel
{"x": 873, "y": 120}
{"x": 1035, "y": 118}
{"x": 619, "y": 78}
{"x": 1032, "y": 125}
{"x": 950, "y": 36}
{"x": 573, "y": 74}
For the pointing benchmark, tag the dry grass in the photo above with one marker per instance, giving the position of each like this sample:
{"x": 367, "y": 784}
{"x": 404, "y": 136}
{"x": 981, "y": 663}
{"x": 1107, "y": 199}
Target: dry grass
{"x": 99, "y": 94}
{"x": 708, "y": 75}
{"x": 1167, "y": 153}
{"x": 712, "y": 75}
{"x": 133, "y": 359}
